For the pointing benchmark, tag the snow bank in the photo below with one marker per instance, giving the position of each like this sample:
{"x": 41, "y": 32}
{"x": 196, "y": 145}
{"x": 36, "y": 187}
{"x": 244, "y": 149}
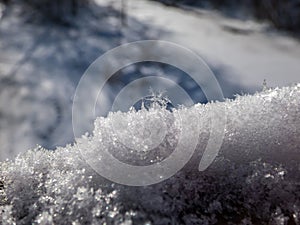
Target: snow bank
{"x": 254, "y": 180}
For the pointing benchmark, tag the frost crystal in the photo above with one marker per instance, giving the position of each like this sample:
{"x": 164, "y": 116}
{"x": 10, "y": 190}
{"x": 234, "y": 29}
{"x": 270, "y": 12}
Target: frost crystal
{"x": 254, "y": 180}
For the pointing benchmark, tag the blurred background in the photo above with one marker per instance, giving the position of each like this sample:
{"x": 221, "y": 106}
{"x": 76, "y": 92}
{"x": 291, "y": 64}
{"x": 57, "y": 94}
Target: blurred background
{"x": 47, "y": 45}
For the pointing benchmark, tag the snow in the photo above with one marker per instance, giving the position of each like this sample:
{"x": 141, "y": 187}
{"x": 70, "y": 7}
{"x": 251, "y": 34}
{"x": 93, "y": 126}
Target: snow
{"x": 258, "y": 54}
{"x": 254, "y": 178}
{"x": 41, "y": 64}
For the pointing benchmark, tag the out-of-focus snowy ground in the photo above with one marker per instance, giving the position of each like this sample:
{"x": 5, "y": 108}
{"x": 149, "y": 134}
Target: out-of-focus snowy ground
{"x": 251, "y": 50}
{"x": 41, "y": 64}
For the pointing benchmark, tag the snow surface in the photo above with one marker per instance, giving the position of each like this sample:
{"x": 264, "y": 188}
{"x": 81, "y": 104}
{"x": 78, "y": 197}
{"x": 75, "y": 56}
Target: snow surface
{"x": 252, "y": 51}
{"x": 254, "y": 180}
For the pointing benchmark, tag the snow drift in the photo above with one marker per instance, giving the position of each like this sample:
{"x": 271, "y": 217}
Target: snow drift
{"x": 254, "y": 180}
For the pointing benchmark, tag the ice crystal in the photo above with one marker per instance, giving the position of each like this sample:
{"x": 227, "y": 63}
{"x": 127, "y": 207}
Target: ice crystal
{"x": 254, "y": 180}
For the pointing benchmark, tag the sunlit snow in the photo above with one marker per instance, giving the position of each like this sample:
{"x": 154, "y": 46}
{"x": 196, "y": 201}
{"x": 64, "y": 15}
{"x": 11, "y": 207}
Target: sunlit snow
{"x": 254, "y": 180}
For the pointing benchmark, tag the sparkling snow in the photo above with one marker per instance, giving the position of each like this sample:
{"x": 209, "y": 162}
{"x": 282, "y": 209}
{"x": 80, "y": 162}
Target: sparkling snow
{"x": 254, "y": 180}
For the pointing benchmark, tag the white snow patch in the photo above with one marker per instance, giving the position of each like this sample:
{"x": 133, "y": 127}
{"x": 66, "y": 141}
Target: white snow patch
{"x": 254, "y": 178}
